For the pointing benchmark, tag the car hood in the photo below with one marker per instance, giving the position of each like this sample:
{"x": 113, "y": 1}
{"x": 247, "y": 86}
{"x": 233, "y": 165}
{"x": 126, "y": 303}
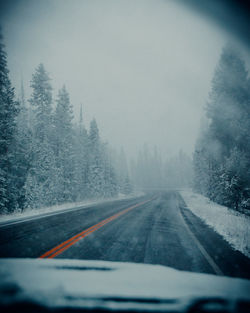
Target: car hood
{"x": 113, "y": 285}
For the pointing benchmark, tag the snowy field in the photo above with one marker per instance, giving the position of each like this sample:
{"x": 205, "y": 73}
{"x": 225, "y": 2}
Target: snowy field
{"x": 30, "y": 213}
{"x": 233, "y": 226}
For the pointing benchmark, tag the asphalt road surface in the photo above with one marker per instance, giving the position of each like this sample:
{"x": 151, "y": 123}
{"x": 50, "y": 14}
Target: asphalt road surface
{"x": 154, "y": 229}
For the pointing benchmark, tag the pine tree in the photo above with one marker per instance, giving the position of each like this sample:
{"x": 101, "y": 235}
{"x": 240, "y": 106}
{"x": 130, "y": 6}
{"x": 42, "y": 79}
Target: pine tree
{"x": 96, "y": 166}
{"x": 123, "y": 178}
{"x": 43, "y": 175}
{"x": 21, "y": 151}
{"x": 41, "y": 101}
{"x": 110, "y": 187}
{"x": 127, "y": 186}
{"x": 225, "y": 157}
{"x": 8, "y": 111}
{"x": 81, "y": 148}
{"x": 228, "y": 100}
{"x": 63, "y": 142}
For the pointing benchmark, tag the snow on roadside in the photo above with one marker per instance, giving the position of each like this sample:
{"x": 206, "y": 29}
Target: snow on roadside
{"x": 232, "y": 225}
{"x": 29, "y": 213}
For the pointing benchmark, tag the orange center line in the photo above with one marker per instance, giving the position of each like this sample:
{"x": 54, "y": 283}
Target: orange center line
{"x": 71, "y": 241}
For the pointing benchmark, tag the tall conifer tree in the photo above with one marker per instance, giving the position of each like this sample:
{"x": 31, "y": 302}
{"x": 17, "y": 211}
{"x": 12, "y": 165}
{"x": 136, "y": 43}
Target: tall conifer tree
{"x": 43, "y": 177}
{"x": 8, "y": 112}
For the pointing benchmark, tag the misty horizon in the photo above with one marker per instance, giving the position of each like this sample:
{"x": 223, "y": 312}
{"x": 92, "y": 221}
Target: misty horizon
{"x": 142, "y": 69}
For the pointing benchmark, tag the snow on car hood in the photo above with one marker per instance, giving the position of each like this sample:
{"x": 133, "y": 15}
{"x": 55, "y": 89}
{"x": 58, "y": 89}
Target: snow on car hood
{"x": 72, "y": 283}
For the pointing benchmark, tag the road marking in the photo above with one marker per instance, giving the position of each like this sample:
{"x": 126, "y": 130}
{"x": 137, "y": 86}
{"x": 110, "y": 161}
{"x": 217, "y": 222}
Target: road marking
{"x": 210, "y": 261}
{"x": 71, "y": 241}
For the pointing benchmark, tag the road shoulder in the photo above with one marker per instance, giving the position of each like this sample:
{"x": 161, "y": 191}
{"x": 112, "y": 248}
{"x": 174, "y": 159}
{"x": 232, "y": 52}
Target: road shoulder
{"x": 233, "y": 262}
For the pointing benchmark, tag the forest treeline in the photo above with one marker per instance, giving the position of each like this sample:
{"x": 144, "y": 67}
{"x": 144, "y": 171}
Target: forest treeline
{"x": 46, "y": 158}
{"x": 49, "y": 158}
{"x": 222, "y": 153}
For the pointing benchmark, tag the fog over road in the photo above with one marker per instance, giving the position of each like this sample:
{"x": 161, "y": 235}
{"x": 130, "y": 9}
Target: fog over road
{"x": 155, "y": 229}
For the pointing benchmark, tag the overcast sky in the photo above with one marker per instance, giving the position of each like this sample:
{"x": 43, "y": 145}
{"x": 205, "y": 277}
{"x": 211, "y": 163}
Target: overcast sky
{"x": 142, "y": 68}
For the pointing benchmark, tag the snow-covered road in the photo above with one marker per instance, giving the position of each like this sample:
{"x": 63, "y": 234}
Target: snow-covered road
{"x": 153, "y": 229}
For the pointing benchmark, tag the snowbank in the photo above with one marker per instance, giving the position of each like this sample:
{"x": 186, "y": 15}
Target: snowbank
{"x": 233, "y": 226}
{"x": 33, "y": 213}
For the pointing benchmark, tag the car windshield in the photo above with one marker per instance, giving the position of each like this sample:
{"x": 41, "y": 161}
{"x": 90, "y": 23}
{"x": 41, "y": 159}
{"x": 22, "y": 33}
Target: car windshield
{"x": 125, "y": 141}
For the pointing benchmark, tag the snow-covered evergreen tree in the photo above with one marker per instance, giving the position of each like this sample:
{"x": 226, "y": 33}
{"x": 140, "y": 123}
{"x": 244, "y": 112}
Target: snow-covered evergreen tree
{"x": 123, "y": 176}
{"x": 96, "y": 182}
{"x": 63, "y": 144}
{"x": 127, "y": 187}
{"x": 21, "y": 151}
{"x": 8, "y": 112}
{"x": 222, "y": 157}
{"x": 43, "y": 174}
{"x": 81, "y": 149}
{"x": 110, "y": 186}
